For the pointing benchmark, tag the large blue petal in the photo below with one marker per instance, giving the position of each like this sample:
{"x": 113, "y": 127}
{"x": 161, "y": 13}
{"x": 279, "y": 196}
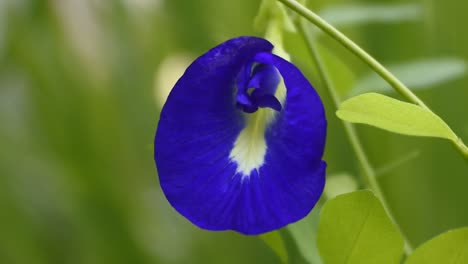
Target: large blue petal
{"x": 296, "y": 141}
{"x": 198, "y": 127}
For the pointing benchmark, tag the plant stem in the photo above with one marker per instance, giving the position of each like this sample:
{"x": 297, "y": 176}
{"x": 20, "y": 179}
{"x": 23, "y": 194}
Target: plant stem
{"x": 354, "y": 48}
{"x": 397, "y": 163}
{"x": 368, "y": 59}
{"x": 369, "y": 173}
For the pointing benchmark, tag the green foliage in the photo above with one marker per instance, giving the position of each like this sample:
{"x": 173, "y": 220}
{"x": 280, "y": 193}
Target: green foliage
{"x": 304, "y": 234}
{"x": 270, "y": 10}
{"x": 393, "y": 115}
{"x": 300, "y": 238}
{"x": 354, "y": 228}
{"x": 77, "y": 114}
{"x": 450, "y": 248}
{"x": 359, "y": 14}
{"x": 398, "y": 162}
{"x": 340, "y": 183}
{"x": 276, "y": 243}
{"x": 417, "y": 74}
{"x": 346, "y": 78}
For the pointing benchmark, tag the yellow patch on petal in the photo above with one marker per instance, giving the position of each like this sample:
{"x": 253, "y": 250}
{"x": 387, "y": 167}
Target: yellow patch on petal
{"x": 250, "y": 147}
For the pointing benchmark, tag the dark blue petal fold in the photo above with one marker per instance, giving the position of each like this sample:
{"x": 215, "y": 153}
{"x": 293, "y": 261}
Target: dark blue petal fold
{"x": 201, "y": 124}
{"x": 302, "y": 125}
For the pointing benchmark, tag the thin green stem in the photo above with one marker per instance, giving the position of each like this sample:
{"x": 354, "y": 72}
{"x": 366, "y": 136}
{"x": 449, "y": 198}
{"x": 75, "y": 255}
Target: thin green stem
{"x": 397, "y": 163}
{"x": 354, "y": 48}
{"x": 369, "y": 173}
{"x": 365, "y": 57}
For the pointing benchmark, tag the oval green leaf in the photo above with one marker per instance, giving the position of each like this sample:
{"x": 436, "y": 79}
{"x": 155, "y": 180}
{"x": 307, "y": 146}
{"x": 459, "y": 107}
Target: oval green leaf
{"x": 354, "y": 228}
{"x": 450, "y": 248}
{"x": 393, "y": 115}
{"x": 418, "y": 74}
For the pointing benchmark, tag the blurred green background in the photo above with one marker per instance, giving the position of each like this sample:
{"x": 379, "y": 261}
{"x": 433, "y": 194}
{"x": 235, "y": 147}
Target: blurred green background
{"x": 81, "y": 86}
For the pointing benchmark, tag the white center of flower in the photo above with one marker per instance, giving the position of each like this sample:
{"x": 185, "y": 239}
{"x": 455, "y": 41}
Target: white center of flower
{"x": 250, "y": 146}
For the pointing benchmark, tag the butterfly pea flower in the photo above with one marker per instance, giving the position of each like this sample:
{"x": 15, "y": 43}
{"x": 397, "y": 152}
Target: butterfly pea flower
{"x": 240, "y": 140}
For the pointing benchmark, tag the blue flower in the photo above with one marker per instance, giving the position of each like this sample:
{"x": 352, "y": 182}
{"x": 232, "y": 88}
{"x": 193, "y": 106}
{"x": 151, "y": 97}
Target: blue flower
{"x": 240, "y": 140}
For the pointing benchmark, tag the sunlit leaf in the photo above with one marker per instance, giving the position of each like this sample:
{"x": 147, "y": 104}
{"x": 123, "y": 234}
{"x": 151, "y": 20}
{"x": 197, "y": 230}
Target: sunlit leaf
{"x": 354, "y": 228}
{"x": 345, "y": 15}
{"x": 393, "y": 115}
{"x": 339, "y": 184}
{"x": 276, "y": 243}
{"x": 304, "y": 233}
{"x": 450, "y": 248}
{"x": 418, "y": 74}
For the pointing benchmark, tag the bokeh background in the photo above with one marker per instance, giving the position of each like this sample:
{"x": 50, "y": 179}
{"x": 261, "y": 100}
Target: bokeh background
{"x": 81, "y": 86}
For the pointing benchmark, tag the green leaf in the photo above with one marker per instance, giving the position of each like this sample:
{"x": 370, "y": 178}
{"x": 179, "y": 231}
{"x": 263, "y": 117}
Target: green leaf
{"x": 276, "y": 243}
{"x": 448, "y": 248}
{"x": 339, "y": 184}
{"x": 393, "y": 115}
{"x": 347, "y": 15}
{"x": 354, "y": 228}
{"x": 304, "y": 233}
{"x": 418, "y": 74}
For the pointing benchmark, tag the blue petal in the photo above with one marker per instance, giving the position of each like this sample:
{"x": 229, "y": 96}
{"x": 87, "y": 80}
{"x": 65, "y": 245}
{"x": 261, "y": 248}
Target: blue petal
{"x": 200, "y": 124}
{"x": 266, "y": 100}
{"x": 266, "y": 78}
